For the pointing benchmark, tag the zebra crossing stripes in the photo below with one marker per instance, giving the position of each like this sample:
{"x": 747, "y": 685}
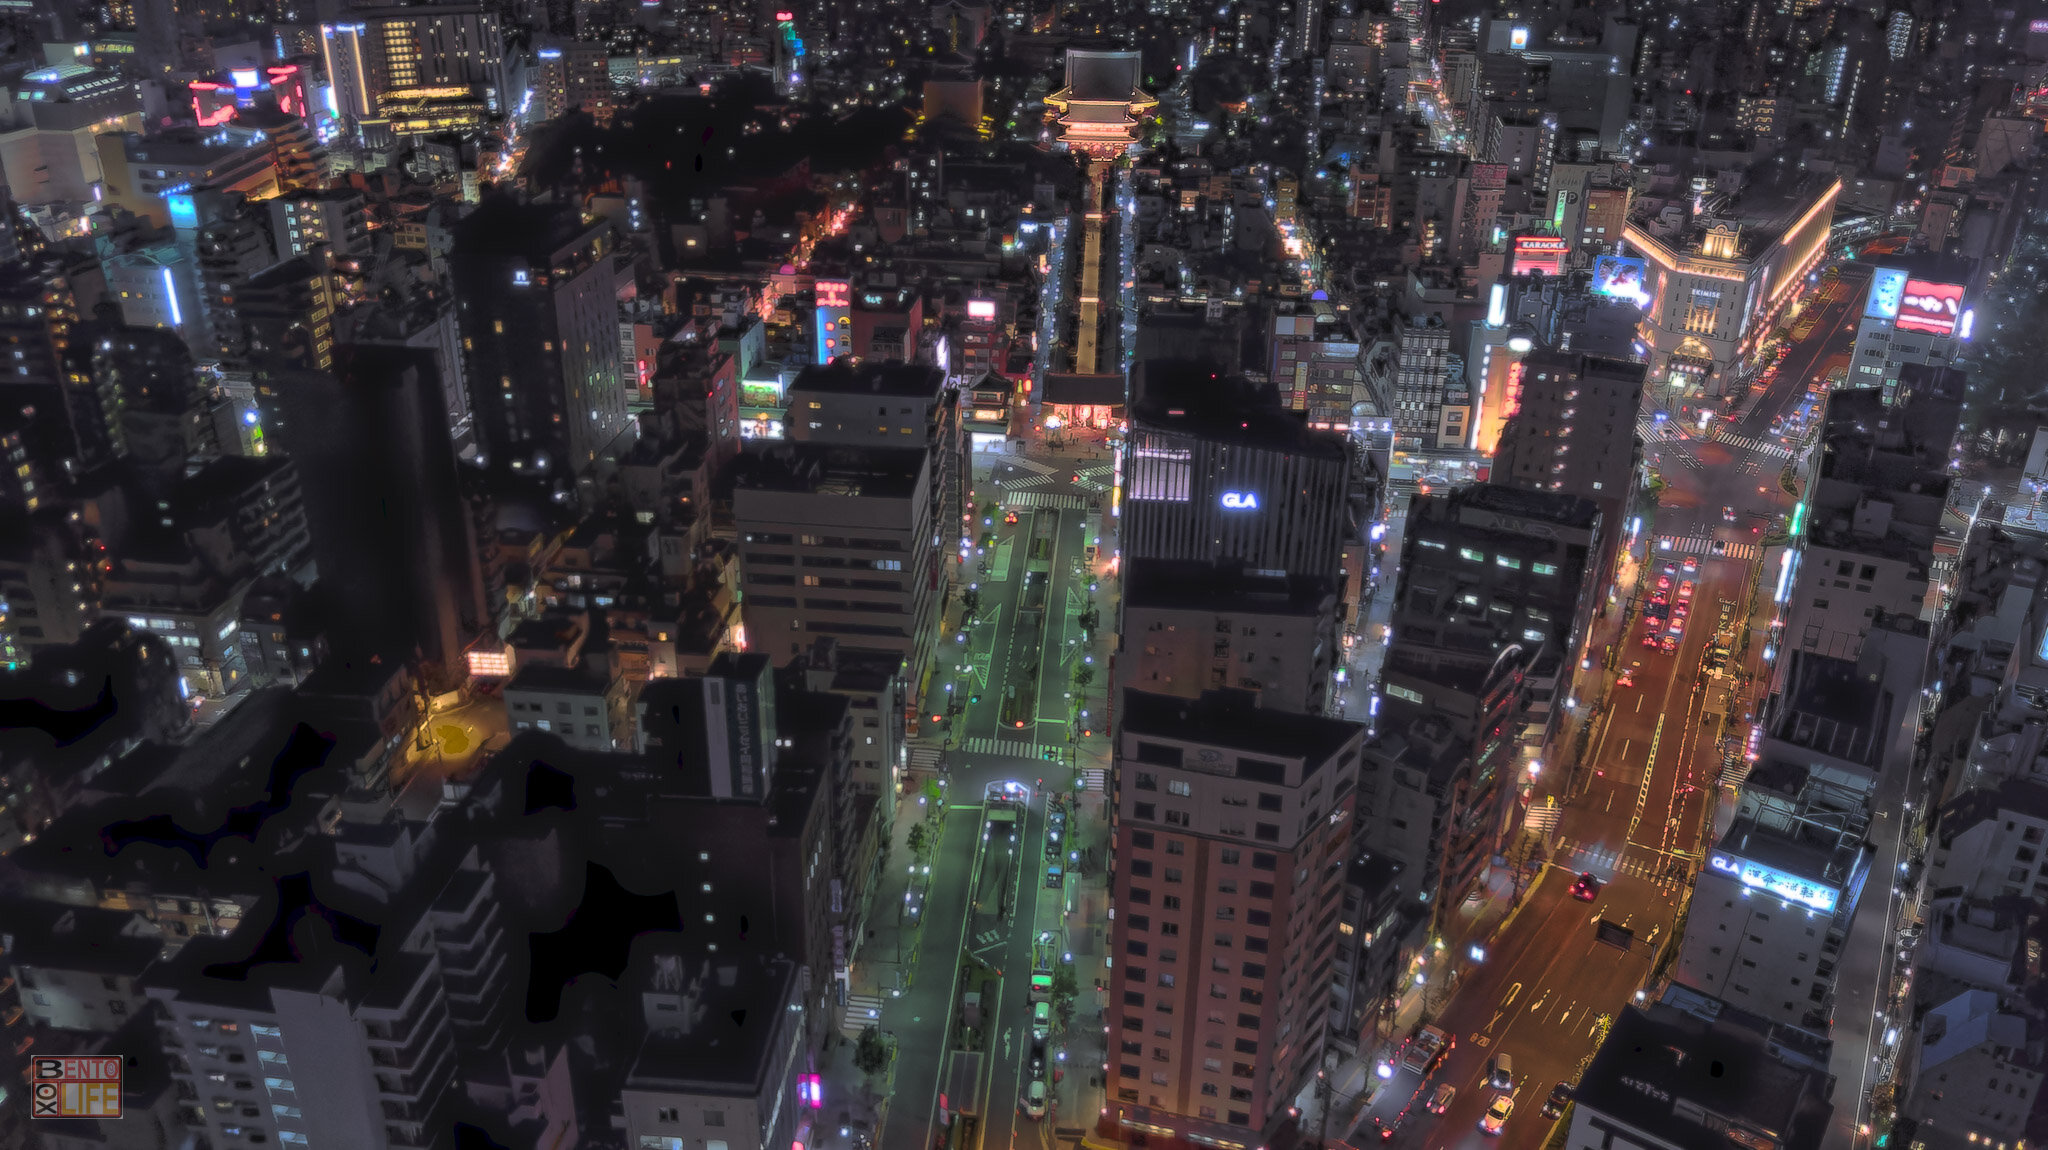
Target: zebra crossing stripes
{"x": 1671, "y": 547}
{"x": 1095, "y": 779}
{"x": 924, "y": 758}
{"x": 988, "y": 938}
{"x": 1026, "y": 482}
{"x": 1753, "y": 444}
{"x": 1665, "y": 874}
{"x": 862, "y": 1011}
{"x": 1031, "y": 500}
{"x": 1016, "y": 748}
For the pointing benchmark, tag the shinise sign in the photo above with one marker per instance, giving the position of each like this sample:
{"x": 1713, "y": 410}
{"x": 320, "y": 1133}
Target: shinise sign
{"x": 1792, "y": 888}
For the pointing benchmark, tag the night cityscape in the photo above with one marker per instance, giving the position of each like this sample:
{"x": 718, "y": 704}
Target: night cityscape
{"x": 1023, "y": 574}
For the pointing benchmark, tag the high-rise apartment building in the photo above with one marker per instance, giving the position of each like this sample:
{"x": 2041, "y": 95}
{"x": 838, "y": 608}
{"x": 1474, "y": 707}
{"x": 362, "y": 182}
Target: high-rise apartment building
{"x": 539, "y": 317}
{"x": 1190, "y": 627}
{"x": 1573, "y": 432}
{"x": 1232, "y": 835}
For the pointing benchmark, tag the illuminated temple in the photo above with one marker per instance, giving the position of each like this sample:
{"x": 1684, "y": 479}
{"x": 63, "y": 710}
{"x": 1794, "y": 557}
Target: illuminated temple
{"x": 1100, "y": 112}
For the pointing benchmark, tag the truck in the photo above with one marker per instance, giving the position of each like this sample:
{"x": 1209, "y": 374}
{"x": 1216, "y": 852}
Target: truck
{"x": 1426, "y": 1051}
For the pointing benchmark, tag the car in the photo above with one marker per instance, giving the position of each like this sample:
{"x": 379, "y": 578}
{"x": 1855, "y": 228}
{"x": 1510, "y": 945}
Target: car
{"x": 1670, "y": 645}
{"x": 1560, "y": 1097}
{"x": 1587, "y": 888}
{"x": 1441, "y": 1100}
{"x": 1685, "y": 590}
{"x": 1650, "y": 638}
{"x": 1055, "y": 875}
{"x": 1627, "y": 679}
{"x": 1664, "y": 582}
{"x": 1692, "y": 564}
{"x": 1010, "y": 517}
{"x": 1497, "y": 1114}
{"x": 1041, "y": 1021}
{"x": 1034, "y": 1099}
{"x": 1680, "y": 611}
{"x": 1038, "y": 1060}
{"x": 1660, "y": 598}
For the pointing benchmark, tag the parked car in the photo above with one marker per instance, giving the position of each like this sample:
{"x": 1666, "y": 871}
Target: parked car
{"x": 1560, "y": 1097}
{"x": 1034, "y": 1100}
{"x": 1441, "y": 1100}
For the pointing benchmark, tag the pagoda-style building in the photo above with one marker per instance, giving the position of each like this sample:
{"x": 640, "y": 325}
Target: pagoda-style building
{"x": 1100, "y": 111}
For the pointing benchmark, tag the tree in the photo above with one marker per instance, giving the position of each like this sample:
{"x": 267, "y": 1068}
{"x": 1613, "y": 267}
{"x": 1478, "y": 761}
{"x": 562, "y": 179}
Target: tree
{"x": 1064, "y": 987}
{"x": 1084, "y": 675}
{"x": 871, "y": 1054}
{"x": 920, "y": 839}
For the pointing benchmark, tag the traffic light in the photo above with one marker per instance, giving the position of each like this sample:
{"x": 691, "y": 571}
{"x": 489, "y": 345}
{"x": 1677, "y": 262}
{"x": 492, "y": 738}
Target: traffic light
{"x": 974, "y": 698}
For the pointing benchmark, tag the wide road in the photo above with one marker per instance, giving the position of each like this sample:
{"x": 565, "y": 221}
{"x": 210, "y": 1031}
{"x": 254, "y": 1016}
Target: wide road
{"x": 1635, "y": 814}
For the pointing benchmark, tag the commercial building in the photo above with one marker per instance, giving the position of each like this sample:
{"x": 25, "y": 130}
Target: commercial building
{"x": 839, "y": 541}
{"x": 1916, "y": 311}
{"x": 1718, "y": 282}
{"x": 1773, "y": 907}
{"x": 1215, "y": 469}
{"x": 1493, "y": 603}
{"x": 1190, "y": 627}
{"x": 1314, "y": 362}
{"x": 1426, "y": 386}
{"x": 1693, "y": 1073}
{"x": 1232, "y": 831}
{"x": 539, "y": 316}
{"x": 374, "y": 54}
{"x": 583, "y": 706}
{"x": 1571, "y": 428}
{"x": 1871, "y": 531}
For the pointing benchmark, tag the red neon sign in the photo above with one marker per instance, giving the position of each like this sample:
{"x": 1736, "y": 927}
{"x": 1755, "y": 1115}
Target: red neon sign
{"x": 1930, "y": 307}
{"x": 834, "y": 293}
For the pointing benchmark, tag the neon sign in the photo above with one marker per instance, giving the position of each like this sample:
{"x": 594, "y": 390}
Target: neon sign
{"x": 833, "y": 293}
{"x": 1789, "y": 887}
{"x": 1887, "y": 285}
{"x": 1240, "y": 501}
{"x": 1930, "y": 307}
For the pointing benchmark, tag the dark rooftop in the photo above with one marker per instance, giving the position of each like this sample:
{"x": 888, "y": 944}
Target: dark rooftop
{"x": 1177, "y": 584}
{"x": 1674, "y": 1072}
{"x": 872, "y": 472}
{"x": 891, "y": 378}
{"x": 1193, "y": 398}
{"x": 1234, "y": 719}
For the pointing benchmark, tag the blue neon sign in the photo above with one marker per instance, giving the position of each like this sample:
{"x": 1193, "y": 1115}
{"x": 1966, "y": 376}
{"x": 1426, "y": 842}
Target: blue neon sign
{"x": 1789, "y": 887}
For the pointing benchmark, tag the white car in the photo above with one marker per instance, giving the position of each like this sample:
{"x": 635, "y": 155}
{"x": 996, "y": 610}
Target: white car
{"x": 1034, "y": 1099}
{"x": 1497, "y": 1115}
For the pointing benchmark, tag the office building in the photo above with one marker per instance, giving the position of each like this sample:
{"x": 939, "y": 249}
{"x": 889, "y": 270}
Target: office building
{"x": 1215, "y": 469}
{"x": 1315, "y": 364}
{"x": 1724, "y": 278}
{"x": 1224, "y": 927}
{"x": 303, "y": 220}
{"x": 1493, "y": 604}
{"x": 1694, "y": 1073}
{"x": 839, "y": 541}
{"x": 1190, "y": 627}
{"x": 583, "y": 706}
{"x": 1917, "y": 310}
{"x": 574, "y": 76}
{"x": 1867, "y": 539}
{"x": 376, "y": 55}
{"x": 1773, "y": 907}
{"x": 1975, "y": 1070}
{"x": 888, "y": 405}
{"x": 538, "y": 300}
{"x": 698, "y": 1081}
{"x": 1426, "y": 382}
{"x": 1571, "y": 429}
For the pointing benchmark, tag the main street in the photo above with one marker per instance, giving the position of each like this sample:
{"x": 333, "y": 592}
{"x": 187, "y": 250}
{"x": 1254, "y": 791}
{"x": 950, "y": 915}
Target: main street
{"x": 1635, "y": 813}
{"x": 989, "y": 898}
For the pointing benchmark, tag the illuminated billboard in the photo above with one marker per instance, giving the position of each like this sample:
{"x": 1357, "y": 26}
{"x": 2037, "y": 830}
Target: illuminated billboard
{"x": 1930, "y": 307}
{"x": 832, "y": 321}
{"x": 1789, "y": 887}
{"x": 981, "y": 309}
{"x": 1622, "y": 277}
{"x": 1886, "y": 286}
{"x": 1539, "y": 254}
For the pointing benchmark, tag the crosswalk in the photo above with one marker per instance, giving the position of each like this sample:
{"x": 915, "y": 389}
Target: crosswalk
{"x": 1016, "y": 748}
{"x": 1671, "y": 546}
{"x": 925, "y": 758}
{"x": 1026, "y": 482}
{"x": 1752, "y": 444}
{"x": 1030, "y": 500}
{"x": 1663, "y": 873}
{"x": 862, "y": 1011}
{"x": 1095, "y": 779}
{"x": 988, "y": 938}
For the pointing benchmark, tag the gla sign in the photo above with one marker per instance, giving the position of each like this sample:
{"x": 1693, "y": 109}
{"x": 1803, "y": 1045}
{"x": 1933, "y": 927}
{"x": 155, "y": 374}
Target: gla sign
{"x": 1240, "y": 501}
{"x": 1789, "y": 887}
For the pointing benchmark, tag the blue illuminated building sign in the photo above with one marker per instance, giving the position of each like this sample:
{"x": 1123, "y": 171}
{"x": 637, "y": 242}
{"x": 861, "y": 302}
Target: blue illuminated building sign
{"x": 1789, "y": 887}
{"x": 1240, "y": 501}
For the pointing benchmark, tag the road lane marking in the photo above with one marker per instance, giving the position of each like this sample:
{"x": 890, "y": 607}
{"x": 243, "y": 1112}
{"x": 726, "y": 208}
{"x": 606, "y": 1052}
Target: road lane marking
{"x": 1496, "y": 1019}
{"x": 1512, "y": 992}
